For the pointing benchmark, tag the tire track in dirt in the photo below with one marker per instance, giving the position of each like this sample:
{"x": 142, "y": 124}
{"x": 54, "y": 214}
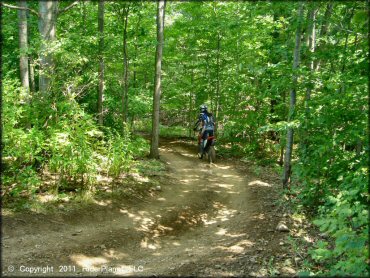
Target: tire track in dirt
{"x": 204, "y": 222}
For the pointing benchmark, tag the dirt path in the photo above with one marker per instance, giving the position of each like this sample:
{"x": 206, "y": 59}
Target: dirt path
{"x": 207, "y": 220}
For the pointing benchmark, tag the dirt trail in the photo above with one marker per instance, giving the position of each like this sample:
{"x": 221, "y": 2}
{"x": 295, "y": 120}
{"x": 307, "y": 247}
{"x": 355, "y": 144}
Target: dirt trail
{"x": 207, "y": 220}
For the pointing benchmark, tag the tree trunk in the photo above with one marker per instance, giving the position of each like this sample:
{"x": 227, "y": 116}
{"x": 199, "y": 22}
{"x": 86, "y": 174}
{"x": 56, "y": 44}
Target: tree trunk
{"x": 154, "y": 152}
{"x": 218, "y": 76}
{"x": 47, "y": 29}
{"x": 136, "y": 50}
{"x": 324, "y": 28}
{"x": 290, "y": 133}
{"x": 125, "y": 68}
{"x": 32, "y": 75}
{"x": 101, "y": 60}
{"x": 23, "y": 47}
{"x": 311, "y": 41}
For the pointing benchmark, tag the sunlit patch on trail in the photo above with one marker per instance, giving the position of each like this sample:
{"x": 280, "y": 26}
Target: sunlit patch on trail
{"x": 188, "y": 155}
{"x": 189, "y": 181}
{"x": 88, "y": 262}
{"x": 113, "y": 254}
{"x": 238, "y": 248}
{"x": 260, "y": 216}
{"x": 259, "y": 183}
{"x": 145, "y": 243}
{"x": 103, "y": 203}
{"x": 221, "y": 232}
{"x": 225, "y": 185}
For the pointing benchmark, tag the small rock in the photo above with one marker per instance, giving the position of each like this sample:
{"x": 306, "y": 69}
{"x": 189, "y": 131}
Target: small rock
{"x": 158, "y": 188}
{"x": 103, "y": 246}
{"x": 77, "y": 232}
{"x": 281, "y": 243}
{"x": 61, "y": 206}
{"x": 281, "y": 227}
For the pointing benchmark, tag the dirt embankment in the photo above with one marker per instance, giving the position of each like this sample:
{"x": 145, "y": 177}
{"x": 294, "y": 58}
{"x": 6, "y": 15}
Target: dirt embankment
{"x": 206, "y": 220}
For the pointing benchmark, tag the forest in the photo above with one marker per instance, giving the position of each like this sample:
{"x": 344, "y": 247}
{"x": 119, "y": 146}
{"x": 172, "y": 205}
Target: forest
{"x": 98, "y": 105}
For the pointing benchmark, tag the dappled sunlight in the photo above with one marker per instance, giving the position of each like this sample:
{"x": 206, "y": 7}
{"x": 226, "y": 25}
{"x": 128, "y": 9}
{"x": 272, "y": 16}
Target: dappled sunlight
{"x": 103, "y": 203}
{"x": 188, "y": 155}
{"x": 259, "y": 183}
{"x": 146, "y": 244}
{"x": 104, "y": 179}
{"x": 139, "y": 178}
{"x": 238, "y": 248}
{"x": 88, "y": 262}
{"x": 224, "y": 232}
{"x": 113, "y": 254}
{"x": 260, "y": 216}
{"x": 160, "y": 230}
{"x": 225, "y": 214}
{"x": 47, "y": 198}
{"x": 221, "y": 232}
{"x": 225, "y": 185}
{"x": 222, "y": 167}
{"x": 189, "y": 181}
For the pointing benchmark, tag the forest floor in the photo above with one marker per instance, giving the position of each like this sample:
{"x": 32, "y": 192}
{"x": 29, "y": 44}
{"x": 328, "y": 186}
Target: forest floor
{"x": 204, "y": 220}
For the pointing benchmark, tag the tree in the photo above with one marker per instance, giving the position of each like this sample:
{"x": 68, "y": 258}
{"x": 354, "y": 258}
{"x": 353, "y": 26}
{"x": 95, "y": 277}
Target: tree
{"x": 101, "y": 61}
{"x": 47, "y": 29}
{"x": 154, "y": 152}
{"x": 290, "y": 132}
{"x": 23, "y": 46}
{"x": 125, "y": 66}
{"x": 47, "y": 16}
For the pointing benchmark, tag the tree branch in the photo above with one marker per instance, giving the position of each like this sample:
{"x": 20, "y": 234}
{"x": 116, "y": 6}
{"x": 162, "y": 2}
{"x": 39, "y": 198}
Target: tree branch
{"x": 68, "y": 7}
{"x": 21, "y": 8}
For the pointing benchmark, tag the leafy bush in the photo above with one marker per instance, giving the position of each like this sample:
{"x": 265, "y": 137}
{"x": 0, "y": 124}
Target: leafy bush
{"x": 344, "y": 219}
{"x": 59, "y": 139}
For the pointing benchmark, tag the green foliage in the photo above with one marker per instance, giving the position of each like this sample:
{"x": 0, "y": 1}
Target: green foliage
{"x": 68, "y": 144}
{"x": 234, "y": 56}
{"x": 345, "y": 220}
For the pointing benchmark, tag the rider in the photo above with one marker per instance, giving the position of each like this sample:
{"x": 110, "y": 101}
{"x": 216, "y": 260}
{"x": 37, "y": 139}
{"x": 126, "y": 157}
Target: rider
{"x": 206, "y": 128}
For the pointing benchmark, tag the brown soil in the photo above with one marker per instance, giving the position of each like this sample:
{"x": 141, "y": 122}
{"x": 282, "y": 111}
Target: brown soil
{"x": 206, "y": 220}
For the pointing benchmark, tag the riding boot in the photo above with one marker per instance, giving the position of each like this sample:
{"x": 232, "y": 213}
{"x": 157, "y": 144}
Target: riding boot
{"x": 201, "y": 150}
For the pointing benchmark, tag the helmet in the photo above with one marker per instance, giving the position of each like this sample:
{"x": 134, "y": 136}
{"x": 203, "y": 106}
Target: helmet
{"x": 203, "y": 108}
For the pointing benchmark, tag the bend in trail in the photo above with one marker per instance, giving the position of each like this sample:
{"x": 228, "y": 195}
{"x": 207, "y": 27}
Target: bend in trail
{"x": 207, "y": 220}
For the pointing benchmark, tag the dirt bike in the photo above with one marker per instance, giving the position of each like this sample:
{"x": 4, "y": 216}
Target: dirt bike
{"x": 209, "y": 148}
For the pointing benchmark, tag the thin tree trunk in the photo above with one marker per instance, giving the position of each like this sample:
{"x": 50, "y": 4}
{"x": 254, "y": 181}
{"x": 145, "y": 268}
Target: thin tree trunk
{"x": 311, "y": 40}
{"x": 23, "y": 47}
{"x": 125, "y": 68}
{"x": 101, "y": 60}
{"x": 290, "y": 132}
{"x": 47, "y": 29}
{"x": 324, "y": 28}
{"x": 84, "y": 17}
{"x": 32, "y": 75}
{"x": 136, "y": 51}
{"x": 218, "y": 76}
{"x": 154, "y": 152}
{"x": 191, "y": 100}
